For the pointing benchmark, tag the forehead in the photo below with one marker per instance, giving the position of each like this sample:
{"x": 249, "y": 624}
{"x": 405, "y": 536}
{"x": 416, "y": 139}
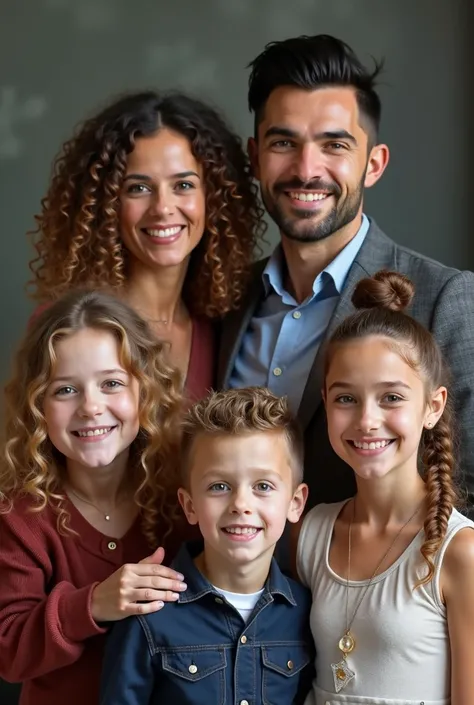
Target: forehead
{"x": 370, "y": 360}
{"x": 246, "y": 452}
{"x": 87, "y": 349}
{"x": 311, "y": 111}
{"x": 165, "y": 150}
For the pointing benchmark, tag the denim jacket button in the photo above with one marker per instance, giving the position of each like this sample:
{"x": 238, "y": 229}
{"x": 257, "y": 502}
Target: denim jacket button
{"x": 290, "y": 665}
{"x": 243, "y": 640}
{"x": 218, "y": 600}
{"x": 244, "y": 702}
{"x": 193, "y": 669}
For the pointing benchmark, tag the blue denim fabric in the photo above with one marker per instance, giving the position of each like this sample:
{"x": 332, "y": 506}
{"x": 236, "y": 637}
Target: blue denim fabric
{"x": 199, "y": 650}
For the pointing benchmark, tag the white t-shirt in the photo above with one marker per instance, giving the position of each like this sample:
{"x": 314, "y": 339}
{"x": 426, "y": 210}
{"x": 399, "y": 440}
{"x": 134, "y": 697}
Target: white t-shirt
{"x": 243, "y": 603}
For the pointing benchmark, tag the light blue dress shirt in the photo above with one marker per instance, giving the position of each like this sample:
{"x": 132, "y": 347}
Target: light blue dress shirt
{"x": 283, "y": 337}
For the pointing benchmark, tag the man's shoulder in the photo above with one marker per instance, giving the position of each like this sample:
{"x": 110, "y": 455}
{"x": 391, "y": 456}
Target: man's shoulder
{"x": 407, "y": 261}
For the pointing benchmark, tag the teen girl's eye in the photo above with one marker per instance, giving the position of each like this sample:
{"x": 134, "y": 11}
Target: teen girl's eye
{"x": 392, "y": 398}
{"x": 344, "y": 399}
{"x": 219, "y": 487}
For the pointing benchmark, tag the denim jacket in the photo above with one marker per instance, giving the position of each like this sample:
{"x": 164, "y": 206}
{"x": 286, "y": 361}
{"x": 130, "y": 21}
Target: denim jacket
{"x": 199, "y": 650}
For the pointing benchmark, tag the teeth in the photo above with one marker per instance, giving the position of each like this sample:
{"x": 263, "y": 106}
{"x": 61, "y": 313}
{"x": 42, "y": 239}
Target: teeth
{"x": 308, "y": 196}
{"x": 95, "y": 432}
{"x": 372, "y": 445}
{"x": 241, "y": 530}
{"x": 167, "y": 232}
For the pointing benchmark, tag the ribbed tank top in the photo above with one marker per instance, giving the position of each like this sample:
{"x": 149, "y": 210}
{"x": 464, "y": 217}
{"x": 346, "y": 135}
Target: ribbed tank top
{"x": 402, "y": 653}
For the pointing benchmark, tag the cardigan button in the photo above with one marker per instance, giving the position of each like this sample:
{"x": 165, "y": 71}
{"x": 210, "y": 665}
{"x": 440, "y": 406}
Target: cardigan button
{"x": 112, "y": 545}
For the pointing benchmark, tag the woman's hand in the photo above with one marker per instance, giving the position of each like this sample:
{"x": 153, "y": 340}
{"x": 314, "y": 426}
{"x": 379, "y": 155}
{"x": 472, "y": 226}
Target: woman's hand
{"x": 136, "y": 588}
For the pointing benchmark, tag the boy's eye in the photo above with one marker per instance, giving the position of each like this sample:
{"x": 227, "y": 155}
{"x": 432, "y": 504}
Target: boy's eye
{"x": 219, "y": 487}
{"x": 263, "y": 487}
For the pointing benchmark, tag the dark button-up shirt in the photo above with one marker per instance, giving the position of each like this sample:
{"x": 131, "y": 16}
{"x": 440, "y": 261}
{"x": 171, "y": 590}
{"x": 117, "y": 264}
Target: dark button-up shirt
{"x": 199, "y": 650}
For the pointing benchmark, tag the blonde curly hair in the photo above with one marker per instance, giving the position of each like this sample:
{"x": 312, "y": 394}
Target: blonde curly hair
{"x": 31, "y": 466}
{"x": 78, "y": 240}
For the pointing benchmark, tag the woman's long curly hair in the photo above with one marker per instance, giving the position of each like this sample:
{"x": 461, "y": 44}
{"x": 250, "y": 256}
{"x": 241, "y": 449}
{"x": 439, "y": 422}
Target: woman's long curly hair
{"x": 30, "y": 466}
{"x": 382, "y": 300}
{"x": 78, "y": 240}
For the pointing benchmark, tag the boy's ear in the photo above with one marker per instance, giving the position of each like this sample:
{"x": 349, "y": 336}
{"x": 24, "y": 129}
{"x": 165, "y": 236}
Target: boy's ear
{"x": 297, "y": 503}
{"x": 187, "y": 505}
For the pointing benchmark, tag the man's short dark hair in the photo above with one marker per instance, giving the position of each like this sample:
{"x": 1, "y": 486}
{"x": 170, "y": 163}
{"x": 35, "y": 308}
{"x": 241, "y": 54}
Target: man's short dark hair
{"x": 311, "y": 63}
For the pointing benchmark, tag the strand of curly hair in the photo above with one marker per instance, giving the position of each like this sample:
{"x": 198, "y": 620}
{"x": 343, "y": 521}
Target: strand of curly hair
{"x": 438, "y": 462}
{"x": 77, "y": 237}
{"x": 31, "y": 467}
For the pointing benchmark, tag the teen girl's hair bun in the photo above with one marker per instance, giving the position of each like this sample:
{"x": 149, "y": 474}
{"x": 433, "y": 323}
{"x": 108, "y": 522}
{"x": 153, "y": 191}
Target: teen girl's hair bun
{"x": 390, "y": 290}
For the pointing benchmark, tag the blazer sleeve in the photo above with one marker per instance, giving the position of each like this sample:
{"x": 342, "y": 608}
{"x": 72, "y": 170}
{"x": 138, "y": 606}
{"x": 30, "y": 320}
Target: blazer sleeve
{"x": 453, "y": 328}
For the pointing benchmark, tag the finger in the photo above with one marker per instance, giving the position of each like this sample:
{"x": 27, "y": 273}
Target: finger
{"x": 149, "y": 595}
{"x": 159, "y": 584}
{"x": 156, "y": 557}
{"x": 145, "y": 607}
{"x": 158, "y": 571}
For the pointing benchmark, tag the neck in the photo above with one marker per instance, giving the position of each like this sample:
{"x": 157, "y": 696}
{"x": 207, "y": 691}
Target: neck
{"x": 99, "y": 485}
{"x": 231, "y": 576}
{"x": 383, "y": 502}
{"x": 156, "y": 295}
{"x": 305, "y": 260}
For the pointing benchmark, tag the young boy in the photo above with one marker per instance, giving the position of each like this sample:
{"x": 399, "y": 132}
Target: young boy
{"x": 240, "y": 633}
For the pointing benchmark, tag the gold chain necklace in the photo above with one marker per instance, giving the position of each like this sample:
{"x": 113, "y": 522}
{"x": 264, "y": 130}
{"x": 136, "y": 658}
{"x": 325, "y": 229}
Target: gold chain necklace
{"x": 341, "y": 672}
{"x": 86, "y": 501}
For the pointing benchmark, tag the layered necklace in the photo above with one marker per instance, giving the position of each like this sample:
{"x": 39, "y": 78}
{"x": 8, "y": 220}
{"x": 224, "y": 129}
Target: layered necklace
{"x": 341, "y": 672}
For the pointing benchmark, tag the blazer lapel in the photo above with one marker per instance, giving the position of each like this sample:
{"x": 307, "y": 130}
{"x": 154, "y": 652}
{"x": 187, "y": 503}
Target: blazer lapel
{"x": 377, "y": 252}
{"x": 235, "y": 325}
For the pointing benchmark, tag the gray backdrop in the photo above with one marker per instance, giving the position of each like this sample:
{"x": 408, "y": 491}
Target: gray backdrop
{"x": 60, "y": 59}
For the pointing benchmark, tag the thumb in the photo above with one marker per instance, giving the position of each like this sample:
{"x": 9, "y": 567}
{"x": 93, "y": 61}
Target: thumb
{"x": 156, "y": 557}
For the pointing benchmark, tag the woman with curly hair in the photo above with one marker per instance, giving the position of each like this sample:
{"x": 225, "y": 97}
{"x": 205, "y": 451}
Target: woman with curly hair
{"x": 86, "y": 493}
{"x": 153, "y": 199}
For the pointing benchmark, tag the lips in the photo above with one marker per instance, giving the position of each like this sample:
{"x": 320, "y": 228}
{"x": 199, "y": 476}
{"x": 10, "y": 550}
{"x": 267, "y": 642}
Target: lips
{"x": 95, "y": 433}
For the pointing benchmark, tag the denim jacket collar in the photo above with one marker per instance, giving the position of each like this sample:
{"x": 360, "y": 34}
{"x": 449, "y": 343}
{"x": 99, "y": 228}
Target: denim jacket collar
{"x": 198, "y": 585}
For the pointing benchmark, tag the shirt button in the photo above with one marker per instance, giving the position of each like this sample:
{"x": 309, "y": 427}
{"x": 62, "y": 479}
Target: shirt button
{"x": 296, "y": 314}
{"x": 277, "y": 371}
{"x": 243, "y": 639}
{"x": 112, "y": 545}
{"x": 192, "y": 669}
{"x": 218, "y": 600}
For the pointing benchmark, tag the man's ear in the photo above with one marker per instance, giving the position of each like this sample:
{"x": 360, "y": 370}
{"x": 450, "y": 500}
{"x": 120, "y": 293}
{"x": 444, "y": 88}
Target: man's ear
{"x": 187, "y": 505}
{"x": 252, "y": 151}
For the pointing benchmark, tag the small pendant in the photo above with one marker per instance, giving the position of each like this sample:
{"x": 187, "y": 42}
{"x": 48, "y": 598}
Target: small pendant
{"x": 342, "y": 674}
{"x": 107, "y": 517}
{"x": 346, "y": 643}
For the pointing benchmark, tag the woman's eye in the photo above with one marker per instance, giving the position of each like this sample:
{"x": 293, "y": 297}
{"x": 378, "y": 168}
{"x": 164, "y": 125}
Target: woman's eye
{"x": 184, "y": 185}
{"x": 138, "y": 189}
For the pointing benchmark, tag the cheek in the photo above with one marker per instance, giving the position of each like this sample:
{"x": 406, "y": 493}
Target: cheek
{"x": 57, "y": 416}
{"x": 126, "y": 408}
{"x": 195, "y": 210}
{"x": 131, "y": 211}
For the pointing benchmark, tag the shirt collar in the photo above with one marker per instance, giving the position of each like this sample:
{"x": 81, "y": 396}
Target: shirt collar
{"x": 198, "y": 585}
{"x": 337, "y": 270}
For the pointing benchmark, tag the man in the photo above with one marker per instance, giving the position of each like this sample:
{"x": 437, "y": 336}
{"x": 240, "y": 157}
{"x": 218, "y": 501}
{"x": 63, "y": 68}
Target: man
{"x": 315, "y": 150}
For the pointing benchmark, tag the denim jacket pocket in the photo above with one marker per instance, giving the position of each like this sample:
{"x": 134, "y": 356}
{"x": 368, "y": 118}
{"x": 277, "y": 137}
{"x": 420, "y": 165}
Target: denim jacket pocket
{"x": 197, "y": 673}
{"x": 281, "y": 666}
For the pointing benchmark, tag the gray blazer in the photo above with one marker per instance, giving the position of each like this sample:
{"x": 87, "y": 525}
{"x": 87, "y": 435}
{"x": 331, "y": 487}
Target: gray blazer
{"x": 443, "y": 302}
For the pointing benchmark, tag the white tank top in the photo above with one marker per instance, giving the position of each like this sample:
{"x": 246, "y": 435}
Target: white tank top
{"x": 402, "y": 654}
